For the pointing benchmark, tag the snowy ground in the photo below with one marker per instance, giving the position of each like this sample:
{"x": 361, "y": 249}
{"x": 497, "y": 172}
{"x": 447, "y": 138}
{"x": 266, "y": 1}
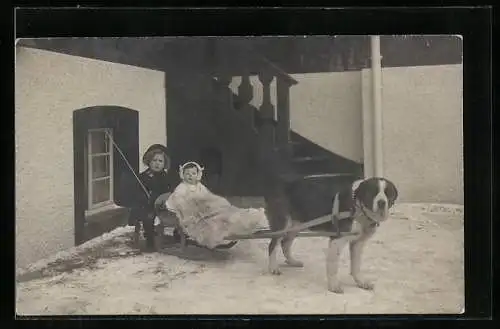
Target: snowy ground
{"x": 415, "y": 260}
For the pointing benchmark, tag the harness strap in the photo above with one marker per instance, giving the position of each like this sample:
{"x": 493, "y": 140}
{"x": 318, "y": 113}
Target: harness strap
{"x": 357, "y": 204}
{"x": 314, "y": 222}
{"x": 336, "y": 215}
{"x": 374, "y": 221}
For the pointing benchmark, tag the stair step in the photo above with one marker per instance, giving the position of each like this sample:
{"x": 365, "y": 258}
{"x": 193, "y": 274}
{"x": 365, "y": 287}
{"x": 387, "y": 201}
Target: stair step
{"x": 328, "y": 175}
{"x": 300, "y": 149}
{"x": 310, "y": 158}
{"x": 295, "y": 142}
{"x": 313, "y": 165}
{"x": 326, "y": 166}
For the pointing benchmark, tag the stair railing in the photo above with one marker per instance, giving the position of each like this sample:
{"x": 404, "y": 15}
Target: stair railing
{"x": 272, "y": 123}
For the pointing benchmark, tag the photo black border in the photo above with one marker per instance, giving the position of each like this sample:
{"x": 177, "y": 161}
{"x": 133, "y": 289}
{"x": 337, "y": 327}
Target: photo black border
{"x": 473, "y": 23}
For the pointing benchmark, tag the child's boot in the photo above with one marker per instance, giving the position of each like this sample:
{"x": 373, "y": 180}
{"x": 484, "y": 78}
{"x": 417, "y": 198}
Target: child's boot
{"x": 136, "y": 239}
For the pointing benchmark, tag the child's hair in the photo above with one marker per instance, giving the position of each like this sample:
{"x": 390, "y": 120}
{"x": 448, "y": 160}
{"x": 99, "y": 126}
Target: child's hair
{"x": 149, "y": 155}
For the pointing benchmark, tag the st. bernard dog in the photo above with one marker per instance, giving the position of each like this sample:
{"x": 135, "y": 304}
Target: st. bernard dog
{"x": 368, "y": 201}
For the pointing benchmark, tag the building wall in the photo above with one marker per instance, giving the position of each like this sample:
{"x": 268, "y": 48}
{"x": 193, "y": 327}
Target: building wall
{"x": 326, "y": 109}
{"x": 49, "y": 87}
{"x": 423, "y": 131}
{"x": 422, "y": 124}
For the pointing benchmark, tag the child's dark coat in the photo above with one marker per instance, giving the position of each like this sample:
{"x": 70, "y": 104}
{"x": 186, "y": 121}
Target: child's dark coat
{"x": 156, "y": 184}
{"x": 142, "y": 207}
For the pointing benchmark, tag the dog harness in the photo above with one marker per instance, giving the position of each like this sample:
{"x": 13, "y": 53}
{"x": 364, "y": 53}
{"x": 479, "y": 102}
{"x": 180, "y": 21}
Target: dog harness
{"x": 364, "y": 210}
{"x": 359, "y": 207}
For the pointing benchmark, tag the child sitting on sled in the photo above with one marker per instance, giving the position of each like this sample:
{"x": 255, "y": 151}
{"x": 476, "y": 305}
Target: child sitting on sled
{"x": 205, "y": 217}
{"x": 155, "y": 181}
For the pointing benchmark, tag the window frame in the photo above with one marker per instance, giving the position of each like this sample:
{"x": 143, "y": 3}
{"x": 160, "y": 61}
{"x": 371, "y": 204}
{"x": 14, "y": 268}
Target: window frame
{"x": 91, "y": 206}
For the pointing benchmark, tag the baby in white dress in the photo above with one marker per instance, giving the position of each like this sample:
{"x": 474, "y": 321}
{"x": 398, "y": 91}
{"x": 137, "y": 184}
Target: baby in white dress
{"x": 205, "y": 217}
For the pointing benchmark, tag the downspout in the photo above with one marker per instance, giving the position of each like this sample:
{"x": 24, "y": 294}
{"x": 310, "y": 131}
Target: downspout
{"x": 377, "y": 106}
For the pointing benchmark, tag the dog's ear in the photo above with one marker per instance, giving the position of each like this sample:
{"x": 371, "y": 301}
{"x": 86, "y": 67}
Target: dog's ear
{"x": 365, "y": 191}
{"x": 391, "y": 191}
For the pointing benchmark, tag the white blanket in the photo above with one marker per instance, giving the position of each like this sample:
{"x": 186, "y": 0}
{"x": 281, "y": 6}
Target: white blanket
{"x": 208, "y": 218}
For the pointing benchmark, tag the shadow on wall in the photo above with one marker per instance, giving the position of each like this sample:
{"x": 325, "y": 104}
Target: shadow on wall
{"x": 211, "y": 159}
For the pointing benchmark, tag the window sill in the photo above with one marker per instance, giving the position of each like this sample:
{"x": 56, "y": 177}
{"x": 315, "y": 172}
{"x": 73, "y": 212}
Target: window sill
{"x": 105, "y": 220}
{"x": 105, "y": 214}
{"x": 104, "y": 208}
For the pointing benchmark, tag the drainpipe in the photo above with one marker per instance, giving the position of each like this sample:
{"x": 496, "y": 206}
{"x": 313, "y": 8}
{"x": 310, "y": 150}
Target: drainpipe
{"x": 377, "y": 106}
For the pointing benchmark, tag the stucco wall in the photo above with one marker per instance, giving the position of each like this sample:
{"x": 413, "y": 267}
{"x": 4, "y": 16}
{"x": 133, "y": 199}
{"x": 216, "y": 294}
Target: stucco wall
{"x": 324, "y": 108}
{"x": 49, "y": 87}
{"x": 422, "y": 132}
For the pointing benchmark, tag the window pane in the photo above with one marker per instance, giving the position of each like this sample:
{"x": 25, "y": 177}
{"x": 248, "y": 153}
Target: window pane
{"x": 100, "y": 166}
{"x": 100, "y": 191}
{"x": 99, "y": 142}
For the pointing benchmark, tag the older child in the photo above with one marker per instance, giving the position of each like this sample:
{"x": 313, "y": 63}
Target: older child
{"x": 155, "y": 180}
{"x": 205, "y": 217}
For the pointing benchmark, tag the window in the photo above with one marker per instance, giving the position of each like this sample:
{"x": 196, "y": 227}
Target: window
{"x": 99, "y": 168}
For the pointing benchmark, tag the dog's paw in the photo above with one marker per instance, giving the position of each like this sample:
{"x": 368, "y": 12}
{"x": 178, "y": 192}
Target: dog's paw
{"x": 294, "y": 263}
{"x": 367, "y": 285}
{"x": 336, "y": 289}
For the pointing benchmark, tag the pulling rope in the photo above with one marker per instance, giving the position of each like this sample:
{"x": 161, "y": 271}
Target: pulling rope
{"x": 127, "y": 163}
{"x": 335, "y": 216}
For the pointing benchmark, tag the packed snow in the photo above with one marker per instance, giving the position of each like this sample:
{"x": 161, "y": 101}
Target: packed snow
{"x": 415, "y": 260}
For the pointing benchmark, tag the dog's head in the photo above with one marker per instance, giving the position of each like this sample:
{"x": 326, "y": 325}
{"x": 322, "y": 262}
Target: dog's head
{"x": 377, "y": 194}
